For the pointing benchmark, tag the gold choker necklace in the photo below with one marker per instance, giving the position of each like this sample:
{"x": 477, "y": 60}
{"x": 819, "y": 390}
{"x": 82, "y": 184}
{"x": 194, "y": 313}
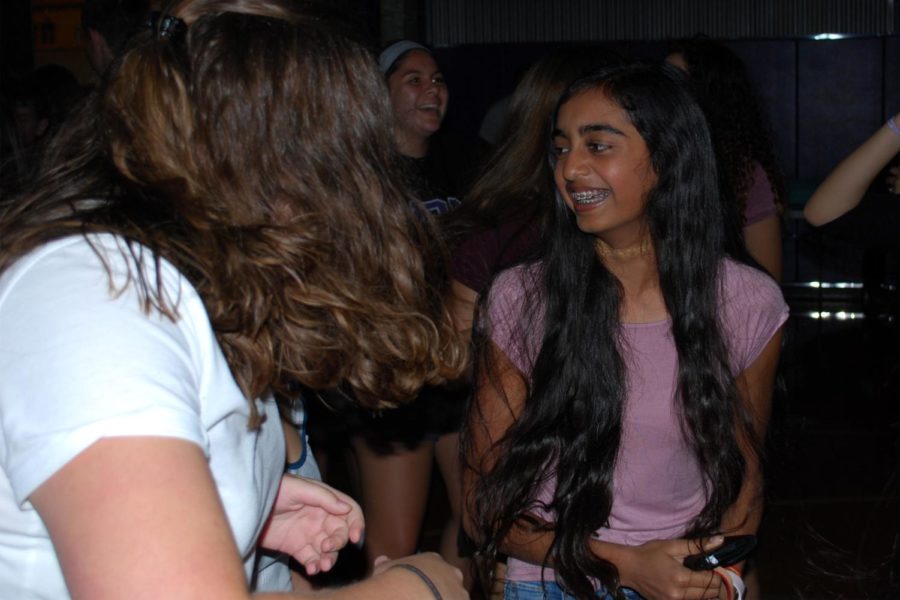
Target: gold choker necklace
{"x": 607, "y": 251}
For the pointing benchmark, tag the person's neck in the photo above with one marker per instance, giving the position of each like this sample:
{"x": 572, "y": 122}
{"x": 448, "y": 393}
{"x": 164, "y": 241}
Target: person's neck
{"x": 637, "y": 272}
{"x": 635, "y": 268}
{"x": 622, "y": 254}
{"x": 411, "y": 145}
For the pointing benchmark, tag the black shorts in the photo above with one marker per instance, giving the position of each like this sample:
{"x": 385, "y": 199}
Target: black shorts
{"x": 435, "y": 412}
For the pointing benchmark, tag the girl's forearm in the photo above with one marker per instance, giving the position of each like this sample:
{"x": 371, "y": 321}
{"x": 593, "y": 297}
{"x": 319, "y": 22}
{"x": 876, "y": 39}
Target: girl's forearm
{"x": 844, "y": 187}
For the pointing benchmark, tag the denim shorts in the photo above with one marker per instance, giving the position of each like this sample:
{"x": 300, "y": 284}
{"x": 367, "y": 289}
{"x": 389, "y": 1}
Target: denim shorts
{"x": 550, "y": 590}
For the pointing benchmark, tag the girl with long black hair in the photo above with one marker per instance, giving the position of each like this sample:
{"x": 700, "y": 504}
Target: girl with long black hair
{"x": 625, "y": 375}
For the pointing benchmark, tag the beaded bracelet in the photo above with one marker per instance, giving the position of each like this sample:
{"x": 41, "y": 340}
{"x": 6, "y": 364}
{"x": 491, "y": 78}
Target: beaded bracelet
{"x": 893, "y": 126}
{"x": 421, "y": 575}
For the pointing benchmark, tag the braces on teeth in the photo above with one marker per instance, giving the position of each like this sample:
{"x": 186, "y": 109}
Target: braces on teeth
{"x": 588, "y": 196}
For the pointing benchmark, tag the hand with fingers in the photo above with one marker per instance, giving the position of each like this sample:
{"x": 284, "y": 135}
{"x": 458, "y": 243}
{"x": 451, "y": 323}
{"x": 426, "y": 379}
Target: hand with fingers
{"x": 426, "y": 571}
{"x": 656, "y": 570}
{"x": 312, "y": 522}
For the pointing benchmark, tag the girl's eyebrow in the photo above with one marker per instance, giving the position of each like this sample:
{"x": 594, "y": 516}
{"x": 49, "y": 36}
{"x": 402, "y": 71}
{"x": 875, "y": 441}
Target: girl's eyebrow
{"x": 419, "y": 72}
{"x": 601, "y": 127}
{"x": 591, "y": 128}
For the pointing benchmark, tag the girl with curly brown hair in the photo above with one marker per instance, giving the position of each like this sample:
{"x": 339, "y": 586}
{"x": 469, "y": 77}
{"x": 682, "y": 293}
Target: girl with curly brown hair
{"x": 749, "y": 176}
{"x": 219, "y": 224}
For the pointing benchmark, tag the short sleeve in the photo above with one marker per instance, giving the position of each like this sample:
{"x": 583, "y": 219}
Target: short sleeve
{"x": 754, "y": 310}
{"x": 514, "y": 324}
{"x": 79, "y": 362}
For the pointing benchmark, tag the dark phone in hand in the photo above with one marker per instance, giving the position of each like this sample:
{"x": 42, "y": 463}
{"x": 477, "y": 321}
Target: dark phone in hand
{"x": 733, "y": 550}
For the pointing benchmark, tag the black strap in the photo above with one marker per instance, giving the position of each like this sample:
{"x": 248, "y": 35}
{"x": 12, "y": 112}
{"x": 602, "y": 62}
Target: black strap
{"x": 423, "y": 577}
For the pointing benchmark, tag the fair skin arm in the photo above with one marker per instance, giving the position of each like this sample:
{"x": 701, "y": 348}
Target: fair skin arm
{"x": 312, "y": 522}
{"x": 763, "y": 241}
{"x": 844, "y": 187}
{"x": 178, "y": 542}
{"x": 653, "y": 569}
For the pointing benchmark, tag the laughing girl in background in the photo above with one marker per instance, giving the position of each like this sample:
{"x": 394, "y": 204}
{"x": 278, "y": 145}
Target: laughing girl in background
{"x": 395, "y": 451}
{"x": 624, "y": 377}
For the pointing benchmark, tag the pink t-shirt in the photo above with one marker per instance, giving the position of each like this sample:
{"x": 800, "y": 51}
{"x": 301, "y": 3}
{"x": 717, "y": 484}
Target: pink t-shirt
{"x": 657, "y": 485}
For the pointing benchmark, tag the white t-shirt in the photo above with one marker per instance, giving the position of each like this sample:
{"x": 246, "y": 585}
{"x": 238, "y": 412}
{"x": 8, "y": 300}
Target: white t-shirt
{"x": 80, "y": 362}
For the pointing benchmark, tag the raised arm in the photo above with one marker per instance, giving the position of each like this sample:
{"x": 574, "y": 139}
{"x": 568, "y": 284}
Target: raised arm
{"x": 844, "y": 187}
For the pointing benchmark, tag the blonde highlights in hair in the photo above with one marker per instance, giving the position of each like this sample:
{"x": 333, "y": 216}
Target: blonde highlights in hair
{"x": 253, "y": 151}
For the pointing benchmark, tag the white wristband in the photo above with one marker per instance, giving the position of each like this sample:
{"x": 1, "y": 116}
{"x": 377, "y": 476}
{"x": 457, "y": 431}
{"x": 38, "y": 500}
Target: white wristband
{"x": 738, "y": 587}
{"x": 892, "y": 125}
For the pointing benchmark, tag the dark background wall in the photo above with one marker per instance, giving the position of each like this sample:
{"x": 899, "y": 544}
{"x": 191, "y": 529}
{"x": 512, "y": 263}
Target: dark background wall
{"x": 823, "y": 96}
{"x": 454, "y": 22}
{"x": 15, "y": 35}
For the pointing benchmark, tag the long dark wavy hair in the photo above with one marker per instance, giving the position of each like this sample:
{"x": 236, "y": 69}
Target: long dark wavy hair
{"x": 740, "y": 130}
{"x": 571, "y": 423}
{"x": 515, "y": 181}
{"x": 251, "y": 147}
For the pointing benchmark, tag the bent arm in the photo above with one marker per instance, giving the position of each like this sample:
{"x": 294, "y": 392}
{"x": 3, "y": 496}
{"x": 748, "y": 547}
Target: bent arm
{"x": 653, "y": 569}
{"x": 140, "y": 517}
{"x": 499, "y": 398}
{"x": 844, "y": 187}
{"x": 755, "y": 386}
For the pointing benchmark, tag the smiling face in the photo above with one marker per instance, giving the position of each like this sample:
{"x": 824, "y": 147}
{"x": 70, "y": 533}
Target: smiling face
{"x": 603, "y": 169}
{"x": 418, "y": 95}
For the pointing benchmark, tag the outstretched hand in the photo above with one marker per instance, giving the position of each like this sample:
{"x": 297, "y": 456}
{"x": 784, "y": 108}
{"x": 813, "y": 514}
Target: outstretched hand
{"x": 655, "y": 570}
{"x": 312, "y": 522}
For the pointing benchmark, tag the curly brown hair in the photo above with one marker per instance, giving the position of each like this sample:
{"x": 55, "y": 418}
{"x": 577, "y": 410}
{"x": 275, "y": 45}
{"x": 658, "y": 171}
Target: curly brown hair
{"x": 252, "y": 149}
{"x": 740, "y": 130}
